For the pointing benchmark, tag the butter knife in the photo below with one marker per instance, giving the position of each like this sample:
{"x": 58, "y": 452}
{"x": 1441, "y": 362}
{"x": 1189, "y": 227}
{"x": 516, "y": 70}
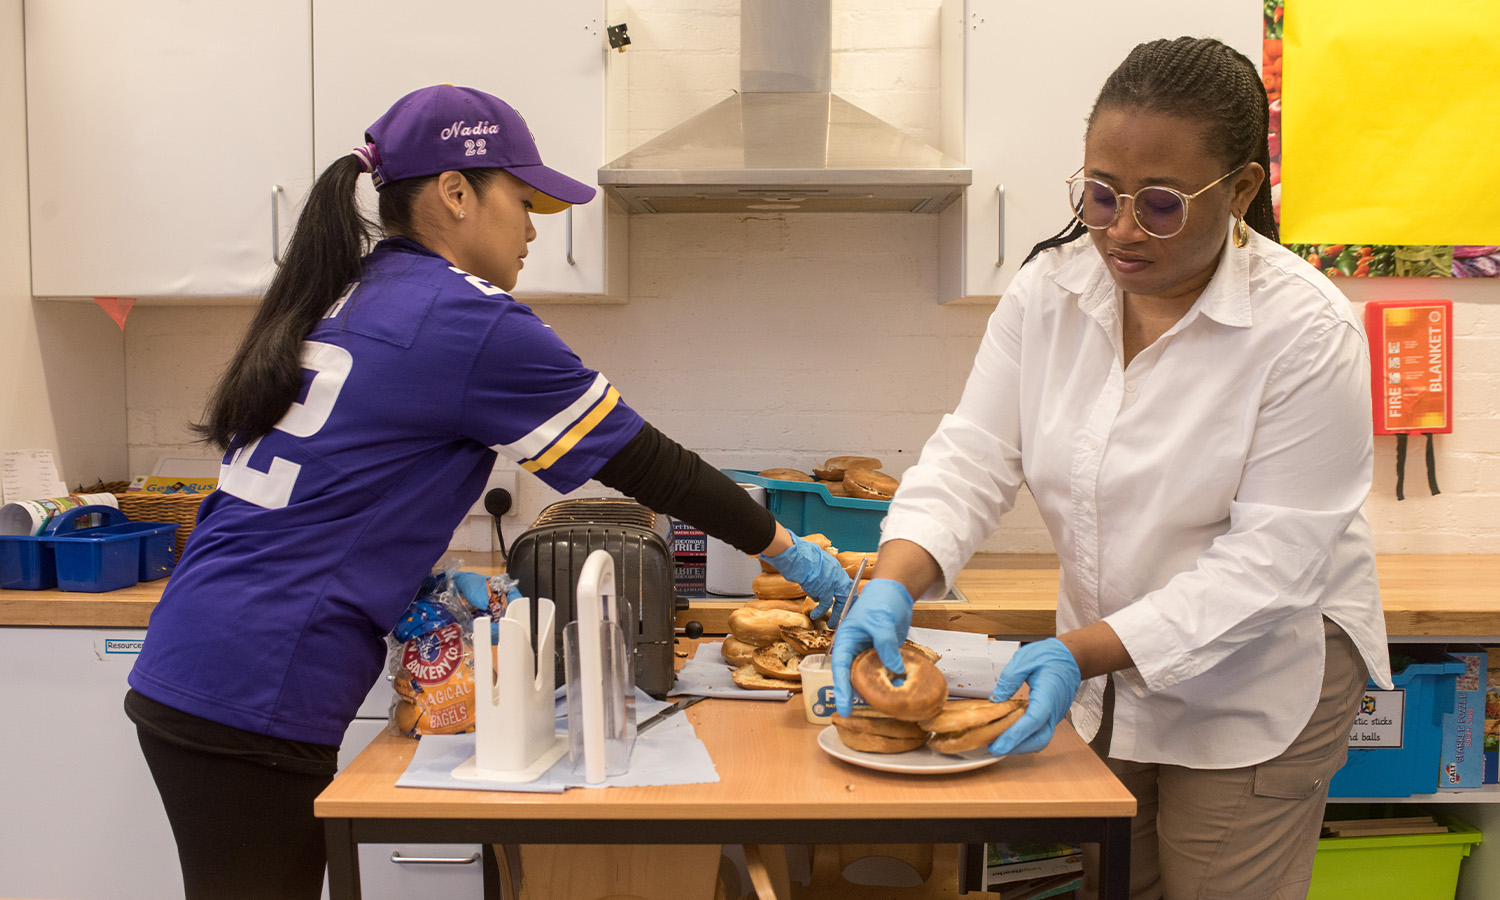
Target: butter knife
{"x": 853, "y": 592}
{"x": 657, "y": 719}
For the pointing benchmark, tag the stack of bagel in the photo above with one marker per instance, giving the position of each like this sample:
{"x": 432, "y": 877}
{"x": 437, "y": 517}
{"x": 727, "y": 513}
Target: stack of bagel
{"x": 843, "y": 476}
{"x": 756, "y": 647}
{"x": 913, "y": 710}
{"x": 770, "y": 634}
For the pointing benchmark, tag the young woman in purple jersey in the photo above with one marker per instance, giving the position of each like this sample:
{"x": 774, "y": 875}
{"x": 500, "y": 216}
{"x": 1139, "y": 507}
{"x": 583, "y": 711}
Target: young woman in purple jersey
{"x": 373, "y": 381}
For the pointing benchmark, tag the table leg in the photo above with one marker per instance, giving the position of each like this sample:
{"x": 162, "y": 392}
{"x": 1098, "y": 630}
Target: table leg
{"x": 1114, "y": 860}
{"x": 343, "y": 860}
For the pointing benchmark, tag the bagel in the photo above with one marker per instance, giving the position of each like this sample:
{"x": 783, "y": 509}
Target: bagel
{"x": 799, "y": 605}
{"x": 834, "y": 467}
{"x": 785, "y": 474}
{"x": 931, "y": 654}
{"x": 767, "y": 586}
{"x": 835, "y": 488}
{"x": 735, "y": 651}
{"x": 920, "y": 695}
{"x": 751, "y": 680}
{"x": 777, "y": 660}
{"x": 871, "y": 732}
{"x": 966, "y": 725}
{"x": 868, "y": 484}
{"x": 807, "y": 641}
{"x": 849, "y": 559}
{"x": 761, "y": 627}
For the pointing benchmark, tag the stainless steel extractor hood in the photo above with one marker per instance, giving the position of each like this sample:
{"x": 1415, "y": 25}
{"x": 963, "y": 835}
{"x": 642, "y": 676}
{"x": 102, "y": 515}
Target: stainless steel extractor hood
{"x": 785, "y": 142}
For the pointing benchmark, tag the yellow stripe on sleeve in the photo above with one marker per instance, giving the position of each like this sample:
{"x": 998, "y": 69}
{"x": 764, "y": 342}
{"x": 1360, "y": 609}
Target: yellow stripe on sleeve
{"x": 575, "y": 434}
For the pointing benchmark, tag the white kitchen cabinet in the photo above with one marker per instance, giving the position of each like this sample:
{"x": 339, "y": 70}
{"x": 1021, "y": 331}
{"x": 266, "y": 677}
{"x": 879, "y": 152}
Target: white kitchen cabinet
{"x": 168, "y": 144}
{"x": 548, "y": 60}
{"x": 1018, "y": 81}
{"x": 79, "y": 815}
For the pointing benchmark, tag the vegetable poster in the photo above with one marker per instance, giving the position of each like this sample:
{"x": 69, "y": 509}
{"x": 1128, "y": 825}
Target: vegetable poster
{"x": 1382, "y": 135}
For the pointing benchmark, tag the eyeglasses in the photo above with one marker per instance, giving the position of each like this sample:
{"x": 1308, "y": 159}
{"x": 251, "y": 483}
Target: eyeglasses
{"x": 1160, "y": 211}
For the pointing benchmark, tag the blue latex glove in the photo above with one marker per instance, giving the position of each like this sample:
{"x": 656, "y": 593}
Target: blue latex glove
{"x": 1049, "y": 668}
{"x": 817, "y": 570}
{"x": 881, "y": 617}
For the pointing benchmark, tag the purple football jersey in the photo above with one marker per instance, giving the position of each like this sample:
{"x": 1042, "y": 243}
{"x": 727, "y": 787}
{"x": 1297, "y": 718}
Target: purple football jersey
{"x": 322, "y": 530}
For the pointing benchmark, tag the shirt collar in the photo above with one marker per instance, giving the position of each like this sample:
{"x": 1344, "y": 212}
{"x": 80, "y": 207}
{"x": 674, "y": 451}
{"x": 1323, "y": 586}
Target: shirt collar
{"x": 1225, "y": 299}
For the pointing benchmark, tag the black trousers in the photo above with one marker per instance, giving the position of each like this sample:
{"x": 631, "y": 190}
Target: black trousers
{"x": 244, "y": 830}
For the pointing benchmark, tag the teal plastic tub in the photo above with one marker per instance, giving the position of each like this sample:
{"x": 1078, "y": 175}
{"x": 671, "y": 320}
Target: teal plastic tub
{"x": 1424, "y": 693}
{"x": 808, "y": 508}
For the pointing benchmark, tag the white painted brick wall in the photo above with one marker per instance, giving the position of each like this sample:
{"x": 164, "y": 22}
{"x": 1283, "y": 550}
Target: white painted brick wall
{"x": 780, "y": 340}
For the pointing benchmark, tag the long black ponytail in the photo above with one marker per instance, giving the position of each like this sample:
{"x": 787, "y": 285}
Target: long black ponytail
{"x": 1205, "y": 80}
{"x": 265, "y": 375}
{"x": 325, "y": 254}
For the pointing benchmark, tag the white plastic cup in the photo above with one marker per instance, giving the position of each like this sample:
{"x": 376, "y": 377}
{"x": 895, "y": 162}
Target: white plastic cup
{"x": 730, "y": 572}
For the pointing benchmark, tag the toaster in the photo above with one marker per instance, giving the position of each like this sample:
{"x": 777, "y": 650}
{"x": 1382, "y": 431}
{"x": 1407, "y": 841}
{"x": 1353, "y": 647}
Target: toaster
{"x": 547, "y": 558}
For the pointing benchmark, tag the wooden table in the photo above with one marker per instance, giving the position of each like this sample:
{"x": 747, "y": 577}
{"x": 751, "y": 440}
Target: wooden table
{"x": 776, "y": 787}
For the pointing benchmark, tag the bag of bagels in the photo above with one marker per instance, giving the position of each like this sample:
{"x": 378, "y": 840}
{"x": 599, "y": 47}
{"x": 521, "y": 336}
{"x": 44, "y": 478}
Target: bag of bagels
{"x": 430, "y": 654}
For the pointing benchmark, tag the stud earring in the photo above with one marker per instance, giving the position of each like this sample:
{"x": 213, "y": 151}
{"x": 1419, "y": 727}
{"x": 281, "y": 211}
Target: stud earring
{"x": 461, "y": 215}
{"x": 1241, "y": 232}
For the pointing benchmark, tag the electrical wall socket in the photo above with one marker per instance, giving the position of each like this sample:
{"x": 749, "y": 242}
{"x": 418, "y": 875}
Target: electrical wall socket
{"x": 500, "y": 478}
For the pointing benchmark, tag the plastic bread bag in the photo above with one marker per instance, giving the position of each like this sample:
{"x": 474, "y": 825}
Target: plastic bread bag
{"x": 431, "y": 653}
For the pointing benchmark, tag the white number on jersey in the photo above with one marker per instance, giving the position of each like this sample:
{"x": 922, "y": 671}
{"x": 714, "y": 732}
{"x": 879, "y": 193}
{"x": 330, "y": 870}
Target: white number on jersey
{"x": 272, "y": 489}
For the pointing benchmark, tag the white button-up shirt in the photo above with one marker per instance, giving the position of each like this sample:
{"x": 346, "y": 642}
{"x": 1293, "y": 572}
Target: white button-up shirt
{"x": 1205, "y": 500}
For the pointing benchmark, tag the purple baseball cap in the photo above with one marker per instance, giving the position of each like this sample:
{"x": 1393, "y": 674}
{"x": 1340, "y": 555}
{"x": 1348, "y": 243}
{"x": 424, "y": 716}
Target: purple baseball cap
{"x": 446, "y": 128}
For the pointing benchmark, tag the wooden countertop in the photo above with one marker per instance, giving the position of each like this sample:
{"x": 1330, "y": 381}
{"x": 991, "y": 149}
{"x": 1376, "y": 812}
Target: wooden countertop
{"x": 1006, "y": 594}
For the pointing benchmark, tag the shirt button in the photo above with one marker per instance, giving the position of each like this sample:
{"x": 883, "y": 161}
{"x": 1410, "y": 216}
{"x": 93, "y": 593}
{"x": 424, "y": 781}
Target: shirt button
{"x": 1091, "y": 444}
{"x": 1130, "y": 387}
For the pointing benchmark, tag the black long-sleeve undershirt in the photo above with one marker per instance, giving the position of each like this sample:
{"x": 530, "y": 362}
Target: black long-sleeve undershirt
{"x": 675, "y": 481}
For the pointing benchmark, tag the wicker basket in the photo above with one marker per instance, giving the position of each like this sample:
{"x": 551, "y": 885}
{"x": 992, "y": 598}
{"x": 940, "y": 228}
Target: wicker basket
{"x": 179, "y": 508}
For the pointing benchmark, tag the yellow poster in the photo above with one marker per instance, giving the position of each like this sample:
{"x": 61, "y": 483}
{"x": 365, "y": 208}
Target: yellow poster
{"x": 1388, "y": 129}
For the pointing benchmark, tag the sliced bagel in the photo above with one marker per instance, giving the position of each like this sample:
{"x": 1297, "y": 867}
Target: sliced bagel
{"x": 735, "y": 651}
{"x": 785, "y": 474}
{"x": 751, "y": 680}
{"x": 777, "y": 661}
{"x": 872, "y": 732}
{"x": 973, "y": 738}
{"x": 931, "y": 654}
{"x": 807, "y": 641}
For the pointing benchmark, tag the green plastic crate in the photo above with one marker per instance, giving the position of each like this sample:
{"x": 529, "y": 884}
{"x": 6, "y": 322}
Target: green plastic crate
{"x": 1392, "y": 867}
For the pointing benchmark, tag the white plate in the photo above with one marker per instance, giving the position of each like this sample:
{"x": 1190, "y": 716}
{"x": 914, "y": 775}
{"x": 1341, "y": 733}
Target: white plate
{"x": 913, "y": 762}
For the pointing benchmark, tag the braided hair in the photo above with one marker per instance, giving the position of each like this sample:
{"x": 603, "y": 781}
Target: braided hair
{"x": 1201, "y": 79}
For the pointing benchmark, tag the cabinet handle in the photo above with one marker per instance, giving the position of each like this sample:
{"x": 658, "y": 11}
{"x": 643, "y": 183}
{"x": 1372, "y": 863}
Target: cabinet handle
{"x": 400, "y": 860}
{"x": 276, "y": 192}
{"x": 568, "y": 235}
{"x": 1000, "y": 224}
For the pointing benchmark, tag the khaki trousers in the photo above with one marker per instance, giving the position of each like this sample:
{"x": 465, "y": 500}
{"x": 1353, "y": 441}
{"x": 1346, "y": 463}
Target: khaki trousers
{"x": 1238, "y": 834}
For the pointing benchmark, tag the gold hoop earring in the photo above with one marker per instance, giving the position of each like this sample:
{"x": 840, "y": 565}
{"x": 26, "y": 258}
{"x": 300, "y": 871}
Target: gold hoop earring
{"x": 1241, "y": 232}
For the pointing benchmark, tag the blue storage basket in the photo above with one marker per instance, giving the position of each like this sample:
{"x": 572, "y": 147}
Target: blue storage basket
{"x": 114, "y": 555}
{"x": 851, "y": 523}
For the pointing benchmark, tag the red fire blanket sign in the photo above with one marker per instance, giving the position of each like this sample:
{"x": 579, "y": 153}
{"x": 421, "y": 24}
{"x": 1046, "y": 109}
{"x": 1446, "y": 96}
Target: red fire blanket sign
{"x": 1411, "y": 355}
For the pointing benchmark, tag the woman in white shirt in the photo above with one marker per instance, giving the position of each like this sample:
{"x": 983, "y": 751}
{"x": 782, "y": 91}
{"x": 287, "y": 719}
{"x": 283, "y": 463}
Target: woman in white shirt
{"x": 1189, "y": 404}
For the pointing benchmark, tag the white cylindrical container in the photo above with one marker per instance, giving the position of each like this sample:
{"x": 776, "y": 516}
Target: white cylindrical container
{"x": 30, "y": 517}
{"x": 730, "y": 572}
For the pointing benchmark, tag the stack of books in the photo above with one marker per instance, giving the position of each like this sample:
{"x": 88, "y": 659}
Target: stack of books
{"x": 1032, "y": 870}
